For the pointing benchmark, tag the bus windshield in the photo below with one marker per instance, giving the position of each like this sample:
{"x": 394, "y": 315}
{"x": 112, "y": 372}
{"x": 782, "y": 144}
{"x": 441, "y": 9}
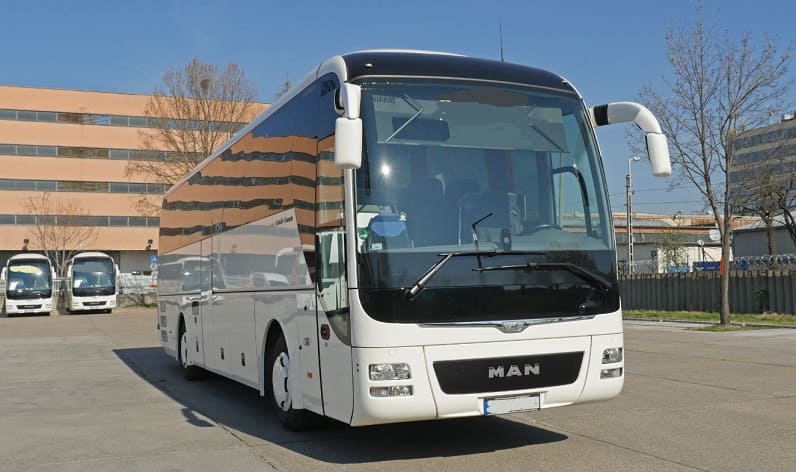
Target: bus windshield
{"x": 29, "y": 279}
{"x": 509, "y": 174}
{"x": 93, "y": 276}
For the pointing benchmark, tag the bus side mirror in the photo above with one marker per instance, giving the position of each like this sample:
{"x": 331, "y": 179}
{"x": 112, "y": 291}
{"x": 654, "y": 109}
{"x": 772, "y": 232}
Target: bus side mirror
{"x": 348, "y": 143}
{"x": 348, "y": 128}
{"x": 624, "y": 112}
{"x": 658, "y": 150}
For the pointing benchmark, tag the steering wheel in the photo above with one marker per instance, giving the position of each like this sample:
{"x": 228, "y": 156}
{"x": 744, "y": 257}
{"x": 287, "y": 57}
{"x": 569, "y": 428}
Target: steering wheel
{"x": 534, "y": 229}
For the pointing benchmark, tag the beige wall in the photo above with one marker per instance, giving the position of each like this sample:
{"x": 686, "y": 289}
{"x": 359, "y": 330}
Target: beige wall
{"x": 28, "y": 98}
{"x": 60, "y": 168}
{"x": 108, "y": 239}
{"x": 68, "y": 134}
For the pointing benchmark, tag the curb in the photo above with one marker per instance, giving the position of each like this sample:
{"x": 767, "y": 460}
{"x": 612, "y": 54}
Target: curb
{"x": 756, "y": 325}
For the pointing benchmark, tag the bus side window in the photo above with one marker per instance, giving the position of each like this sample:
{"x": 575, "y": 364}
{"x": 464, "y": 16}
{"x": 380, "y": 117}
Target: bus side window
{"x": 331, "y": 263}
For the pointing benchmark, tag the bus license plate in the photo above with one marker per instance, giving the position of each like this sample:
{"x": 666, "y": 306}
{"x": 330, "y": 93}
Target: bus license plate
{"x": 504, "y": 405}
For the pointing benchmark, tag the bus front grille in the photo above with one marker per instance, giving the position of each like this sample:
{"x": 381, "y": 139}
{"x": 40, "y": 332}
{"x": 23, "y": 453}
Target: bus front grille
{"x": 507, "y": 373}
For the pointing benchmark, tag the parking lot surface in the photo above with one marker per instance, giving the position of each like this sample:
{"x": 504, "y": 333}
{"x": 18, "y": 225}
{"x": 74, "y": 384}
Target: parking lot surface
{"x": 97, "y": 393}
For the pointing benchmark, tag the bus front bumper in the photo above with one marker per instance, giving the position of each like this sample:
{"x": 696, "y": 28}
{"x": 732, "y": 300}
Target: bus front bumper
{"x": 450, "y": 381}
{"x": 14, "y": 307}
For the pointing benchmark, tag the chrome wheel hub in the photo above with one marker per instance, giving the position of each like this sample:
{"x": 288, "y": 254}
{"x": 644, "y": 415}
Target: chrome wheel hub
{"x": 280, "y": 380}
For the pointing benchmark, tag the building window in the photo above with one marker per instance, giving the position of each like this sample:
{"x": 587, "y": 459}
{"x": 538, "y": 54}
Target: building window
{"x": 80, "y": 220}
{"x": 109, "y": 120}
{"x": 81, "y": 152}
{"x": 79, "y": 186}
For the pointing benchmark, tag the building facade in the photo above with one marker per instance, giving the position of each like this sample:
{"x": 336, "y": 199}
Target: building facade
{"x": 765, "y": 159}
{"x": 671, "y": 243}
{"x": 75, "y": 146}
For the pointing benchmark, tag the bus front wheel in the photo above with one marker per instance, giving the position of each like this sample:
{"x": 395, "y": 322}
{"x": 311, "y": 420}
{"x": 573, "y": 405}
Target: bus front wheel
{"x": 190, "y": 372}
{"x": 280, "y": 390}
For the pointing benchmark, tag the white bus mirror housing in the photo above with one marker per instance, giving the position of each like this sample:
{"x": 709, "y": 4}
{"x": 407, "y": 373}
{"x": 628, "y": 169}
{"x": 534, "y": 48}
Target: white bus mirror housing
{"x": 348, "y": 128}
{"x": 624, "y": 112}
{"x": 348, "y": 143}
{"x": 658, "y": 150}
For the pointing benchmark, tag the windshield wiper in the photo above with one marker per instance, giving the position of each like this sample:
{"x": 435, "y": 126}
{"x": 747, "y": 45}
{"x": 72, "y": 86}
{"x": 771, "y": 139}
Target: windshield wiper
{"x": 418, "y": 286}
{"x": 603, "y": 284}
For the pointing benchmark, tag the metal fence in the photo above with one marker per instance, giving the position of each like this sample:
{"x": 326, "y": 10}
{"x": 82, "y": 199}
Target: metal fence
{"x": 751, "y": 291}
{"x": 752, "y": 263}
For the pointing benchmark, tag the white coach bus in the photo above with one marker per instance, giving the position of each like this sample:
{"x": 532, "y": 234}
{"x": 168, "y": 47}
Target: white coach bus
{"x": 404, "y": 236}
{"x": 92, "y": 283}
{"x": 28, "y": 284}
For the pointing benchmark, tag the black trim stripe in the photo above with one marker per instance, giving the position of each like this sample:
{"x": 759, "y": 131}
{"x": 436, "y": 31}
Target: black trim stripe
{"x": 601, "y": 115}
{"x": 380, "y": 63}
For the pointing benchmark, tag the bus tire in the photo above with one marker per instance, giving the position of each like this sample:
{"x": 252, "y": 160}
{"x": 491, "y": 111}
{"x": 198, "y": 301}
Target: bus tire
{"x": 190, "y": 372}
{"x": 277, "y": 383}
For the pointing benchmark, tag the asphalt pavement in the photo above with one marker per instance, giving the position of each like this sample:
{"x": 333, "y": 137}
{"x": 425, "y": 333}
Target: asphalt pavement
{"x": 96, "y": 393}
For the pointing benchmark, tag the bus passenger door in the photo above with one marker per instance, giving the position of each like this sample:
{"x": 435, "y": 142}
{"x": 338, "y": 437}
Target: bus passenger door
{"x": 200, "y": 308}
{"x": 334, "y": 322}
{"x": 334, "y": 326}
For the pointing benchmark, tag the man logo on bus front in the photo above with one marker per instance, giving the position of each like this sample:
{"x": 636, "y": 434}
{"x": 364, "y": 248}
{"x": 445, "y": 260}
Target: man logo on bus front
{"x": 514, "y": 371}
{"x": 512, "y": 326}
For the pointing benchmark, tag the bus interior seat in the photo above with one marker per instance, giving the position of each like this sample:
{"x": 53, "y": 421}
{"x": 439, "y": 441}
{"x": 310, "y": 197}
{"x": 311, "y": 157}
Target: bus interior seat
{"x": 386, "y": 231}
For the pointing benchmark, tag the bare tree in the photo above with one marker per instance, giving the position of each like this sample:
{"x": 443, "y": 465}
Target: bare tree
{"x": 194, "y": 111}
{"x": 57, "y": 229}
{"x": 721, "y": 86}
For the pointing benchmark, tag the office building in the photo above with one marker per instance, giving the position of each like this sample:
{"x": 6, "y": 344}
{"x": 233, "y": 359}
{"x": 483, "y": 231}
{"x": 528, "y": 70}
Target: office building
{"x": 75, "y": 146}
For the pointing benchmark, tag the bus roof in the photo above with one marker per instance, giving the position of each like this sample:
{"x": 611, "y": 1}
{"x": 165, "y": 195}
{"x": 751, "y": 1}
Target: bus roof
{"x": 431, "y": 64}
{"x": 94, "y": 254}
{"x": 30, "y": 256}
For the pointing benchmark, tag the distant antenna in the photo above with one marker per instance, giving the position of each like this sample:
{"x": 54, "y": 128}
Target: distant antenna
{"x": 500, "y": 25}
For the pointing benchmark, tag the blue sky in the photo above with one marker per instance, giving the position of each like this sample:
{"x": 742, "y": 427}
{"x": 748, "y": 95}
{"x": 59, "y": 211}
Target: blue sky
{"x": 608, "y": 49}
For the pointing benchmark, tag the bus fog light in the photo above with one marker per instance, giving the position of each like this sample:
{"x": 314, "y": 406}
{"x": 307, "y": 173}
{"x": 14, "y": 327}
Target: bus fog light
{"x": 611, "y": 373}
{"x": 389, "y": 371}
{"x": 612, "y": 355}
{"x": 398, "y": 391}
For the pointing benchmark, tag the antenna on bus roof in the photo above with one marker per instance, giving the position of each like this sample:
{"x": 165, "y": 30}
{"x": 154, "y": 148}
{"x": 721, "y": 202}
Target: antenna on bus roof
{"x": 500, "y": 25}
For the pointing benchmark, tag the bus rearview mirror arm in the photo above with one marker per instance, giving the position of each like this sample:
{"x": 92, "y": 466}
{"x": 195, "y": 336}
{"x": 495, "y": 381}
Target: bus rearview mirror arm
{"x": 624, "y": 112}
{"x": 348, "y": 128}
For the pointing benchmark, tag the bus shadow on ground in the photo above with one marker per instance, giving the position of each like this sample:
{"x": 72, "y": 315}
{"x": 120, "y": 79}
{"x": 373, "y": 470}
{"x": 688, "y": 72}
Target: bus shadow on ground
{"x": 240, "y": 408}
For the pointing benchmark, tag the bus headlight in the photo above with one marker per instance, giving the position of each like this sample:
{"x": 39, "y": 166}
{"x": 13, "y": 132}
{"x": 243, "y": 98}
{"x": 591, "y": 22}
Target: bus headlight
{"x": 399, "y": 391}
{"x": 389, "y": 372}
{"x": 612, "y": 355}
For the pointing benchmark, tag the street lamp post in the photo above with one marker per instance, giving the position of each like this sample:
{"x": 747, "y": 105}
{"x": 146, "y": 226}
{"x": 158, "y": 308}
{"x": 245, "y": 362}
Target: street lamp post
{"x": 629, "y": 190}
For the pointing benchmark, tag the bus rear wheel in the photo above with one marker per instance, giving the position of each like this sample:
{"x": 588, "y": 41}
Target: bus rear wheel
{"x": 280, "y": 391}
